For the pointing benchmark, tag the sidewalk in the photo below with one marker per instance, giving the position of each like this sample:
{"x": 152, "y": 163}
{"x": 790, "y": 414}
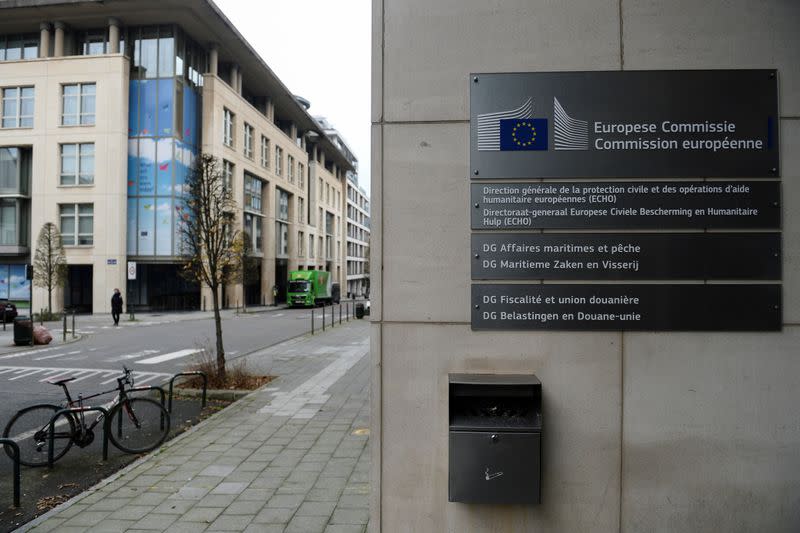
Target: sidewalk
{"x": 291, "y": 457}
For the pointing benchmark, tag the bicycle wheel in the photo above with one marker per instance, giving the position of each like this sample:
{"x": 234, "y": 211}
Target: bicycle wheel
{"x": 29, "y": 429}
{"x": 138, "y": 425}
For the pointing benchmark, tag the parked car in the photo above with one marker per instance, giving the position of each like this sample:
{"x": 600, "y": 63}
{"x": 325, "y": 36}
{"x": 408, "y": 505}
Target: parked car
{"x": 8, "y": 311}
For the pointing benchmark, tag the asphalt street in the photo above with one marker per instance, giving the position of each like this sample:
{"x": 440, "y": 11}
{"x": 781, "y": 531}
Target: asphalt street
{"x": 153, "y": 349}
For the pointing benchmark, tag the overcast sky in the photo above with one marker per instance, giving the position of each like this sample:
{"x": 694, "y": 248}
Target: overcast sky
{"x": 320, "y": 49}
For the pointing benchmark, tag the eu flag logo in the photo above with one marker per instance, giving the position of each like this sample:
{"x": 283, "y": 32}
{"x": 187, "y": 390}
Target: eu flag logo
{"x": 523, "y": 134}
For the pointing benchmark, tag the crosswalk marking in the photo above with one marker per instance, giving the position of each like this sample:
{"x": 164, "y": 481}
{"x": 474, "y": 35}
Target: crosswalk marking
{"x": 56, "y": 355}
{"x": 128, "y": 356}
{"x": 168, "y": 357}
{"x": 28, "y": 352}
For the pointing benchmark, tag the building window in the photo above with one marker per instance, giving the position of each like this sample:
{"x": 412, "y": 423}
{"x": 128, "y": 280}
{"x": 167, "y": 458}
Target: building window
{"x": 17, "y": 108}
{"x": 78, "y": 104}
{"x": 228, "y": 120}
{"x": 15, "y": 47}
{"x": 320, "y": 189}
{"x": 282, "y": 207}
{"x": 227, "y": 176}
{"x": 264, "y": 152}
{"x": 301, "y": 176}
{"x": 252, "y": 229}
{"x": 290, "y": 168}
{"x": 252, "y": 192}
{"x": 301, "y": 209}
{"x": 301, "y": 244}
{"x": 248, "y": 141}
{"x": 311, "y": 246}
{"x": 15, "y": 170}
{"x": 281, "y": 239}
{"x": 278, "y": 160}
{"x": 77, "y": 224}
{"x": 77, "y": 164}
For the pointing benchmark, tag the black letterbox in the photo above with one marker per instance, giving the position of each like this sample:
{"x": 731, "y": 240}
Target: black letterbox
{"x": 495, "y": 438}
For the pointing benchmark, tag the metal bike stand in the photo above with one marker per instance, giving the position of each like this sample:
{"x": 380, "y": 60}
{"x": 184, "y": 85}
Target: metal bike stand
{"x": 161, "y": 393}
{"x": 15, "y": 449}
{"x": 51, "y": 435}
{"x": 176, "y": 376}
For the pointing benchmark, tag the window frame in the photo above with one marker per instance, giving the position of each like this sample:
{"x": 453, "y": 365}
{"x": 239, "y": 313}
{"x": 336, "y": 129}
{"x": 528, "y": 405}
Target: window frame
{"x": 79, "y": 113}
{"x": 74, "y": 238}
{"x": 228, "y": 127}
{"x": 78, "y": 155}
{"x": 249, "y": 133}
{"x": 265, "y": 151}
{"x": 20, "y": 121}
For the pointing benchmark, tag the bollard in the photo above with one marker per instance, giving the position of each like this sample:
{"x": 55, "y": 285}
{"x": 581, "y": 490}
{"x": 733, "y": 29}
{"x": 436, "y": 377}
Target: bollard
{"x": 64, "y": 329}
{"x": 340, "y": 314}
{"x": 333, "y": 315}
{"x": 14, "y": 453}
{"x": 73, "y": 323}
{"x": 323, "y": 316}
{"x": 312, "y": 320}
{"x": 5, "y": 317}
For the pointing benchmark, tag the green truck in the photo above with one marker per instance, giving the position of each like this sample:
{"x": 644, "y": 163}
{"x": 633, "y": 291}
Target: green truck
{"x": 311, "y": 288}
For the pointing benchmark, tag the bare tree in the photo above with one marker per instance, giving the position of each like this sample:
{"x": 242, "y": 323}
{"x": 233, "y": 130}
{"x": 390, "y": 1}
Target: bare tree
{"x": 248, "y": 265}
{"x": 208, "y": 236}
{"x": 49, "y": 262}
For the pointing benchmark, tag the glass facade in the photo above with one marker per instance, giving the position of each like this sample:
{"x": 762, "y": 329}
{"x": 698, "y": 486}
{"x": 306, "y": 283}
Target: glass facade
{"x": 164, "y": 137}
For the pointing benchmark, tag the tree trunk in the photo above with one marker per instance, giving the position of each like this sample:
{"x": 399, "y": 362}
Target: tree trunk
{"x": 49, "y": 301}
{"x": 218, "y": 329}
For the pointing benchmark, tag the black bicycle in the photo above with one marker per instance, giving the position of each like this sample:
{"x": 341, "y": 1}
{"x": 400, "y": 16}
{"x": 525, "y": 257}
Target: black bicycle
{"x": 134, "y": 425}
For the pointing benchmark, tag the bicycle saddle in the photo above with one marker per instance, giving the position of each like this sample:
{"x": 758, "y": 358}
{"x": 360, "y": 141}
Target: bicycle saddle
{"x": 61, "y": 381}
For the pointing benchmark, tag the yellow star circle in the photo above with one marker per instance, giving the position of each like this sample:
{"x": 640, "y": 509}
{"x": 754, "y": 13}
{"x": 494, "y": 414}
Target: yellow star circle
{"x": 521, "y": 142}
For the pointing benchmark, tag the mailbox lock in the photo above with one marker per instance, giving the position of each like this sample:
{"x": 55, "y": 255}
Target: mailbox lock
{"x": 495, "y": 438}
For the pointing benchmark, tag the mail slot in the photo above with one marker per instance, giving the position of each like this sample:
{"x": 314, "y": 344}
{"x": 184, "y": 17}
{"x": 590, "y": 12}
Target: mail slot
{"x": 495, "y": 438}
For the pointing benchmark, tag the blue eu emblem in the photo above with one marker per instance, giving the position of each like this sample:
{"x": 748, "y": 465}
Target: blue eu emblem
{"x": 523, "y": 134}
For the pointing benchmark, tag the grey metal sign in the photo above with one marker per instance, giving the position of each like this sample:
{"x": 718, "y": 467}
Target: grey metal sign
{"x": 638, "y": 124}
{"x": 636, "y": 256}
{"x": 624, "y": 205}
{"x": 708, "y": 307}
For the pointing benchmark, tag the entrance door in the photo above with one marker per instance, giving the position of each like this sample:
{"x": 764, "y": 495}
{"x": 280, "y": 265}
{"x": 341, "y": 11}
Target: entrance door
{"x": 78, "y": 290}
{"x": 281, "y": 279}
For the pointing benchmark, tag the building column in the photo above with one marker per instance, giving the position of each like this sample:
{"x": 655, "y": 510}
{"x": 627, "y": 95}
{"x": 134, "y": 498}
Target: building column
{"x": 213, "y": 60}
{"x": 44, "y": 40}
{"x": 58, "y": 48}
{"x": 113, "y": 36}
{"x": 235, "y": 77}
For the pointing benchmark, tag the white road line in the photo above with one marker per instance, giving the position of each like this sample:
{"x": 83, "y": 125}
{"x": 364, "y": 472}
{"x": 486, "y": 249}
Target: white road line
{"x": 24, "y": 375}
{"x": 28, "y": 352}
{"x": 136, "y": 355}
{"x": 57, "y": 355}
{"x": 89, "y": 375}
{"x": 168, "y": 357}
{"x": 139, "y": 381}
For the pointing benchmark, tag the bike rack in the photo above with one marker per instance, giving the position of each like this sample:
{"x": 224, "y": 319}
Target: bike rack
{"x": 51, "y": 435}
{"x": 176, "y": 376}
{"x": 15, "y": 448}
{"x": 146, "y": 389}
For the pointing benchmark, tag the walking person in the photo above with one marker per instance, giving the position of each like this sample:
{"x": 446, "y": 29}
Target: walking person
{"x": 116, "y": 306}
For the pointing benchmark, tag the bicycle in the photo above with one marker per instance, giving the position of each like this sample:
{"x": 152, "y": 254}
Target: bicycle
{"x": 134, "y": 425}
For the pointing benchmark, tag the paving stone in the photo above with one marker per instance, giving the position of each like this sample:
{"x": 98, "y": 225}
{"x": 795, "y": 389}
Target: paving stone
{"x": 307, "y": 524}
{"x": 256, "y": 494}
{"x": 110, "y": 526}
{"x": 274, "y": 515}
{"x": 158, "y": 522}
{"x": 251, "y": 508}
{"x": 345, "y": 528}
{"x": 230, "y": 488}
{"x": 217, "y": 470}
{"x": 350, "y": 516}
{"x": 133, "y": 512}
{"x": 216, "y": 500}
{"x": 230, "y": 523}
{"x": 205, "y": 514}
{"x": 86, "y": 519}
{"x": 110, "y": 504}
{"x": 308, "y": 508}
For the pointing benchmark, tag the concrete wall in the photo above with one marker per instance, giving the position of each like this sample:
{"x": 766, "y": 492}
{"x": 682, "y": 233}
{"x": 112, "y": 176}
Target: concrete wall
{"x": 644, "y": 431}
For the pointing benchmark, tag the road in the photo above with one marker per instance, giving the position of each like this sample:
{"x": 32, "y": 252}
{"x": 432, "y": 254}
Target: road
{"x": 153, "y": 350}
